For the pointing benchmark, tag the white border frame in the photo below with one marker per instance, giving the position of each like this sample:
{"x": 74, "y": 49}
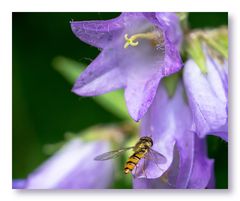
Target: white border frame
{"x": 7, "y": 7}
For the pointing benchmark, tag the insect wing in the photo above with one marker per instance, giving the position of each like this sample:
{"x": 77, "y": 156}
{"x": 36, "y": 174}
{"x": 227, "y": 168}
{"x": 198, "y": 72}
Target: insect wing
{"x": 112, "y": 154}
{"x": 156, "y": 156}
{"x": 150, "y": 165}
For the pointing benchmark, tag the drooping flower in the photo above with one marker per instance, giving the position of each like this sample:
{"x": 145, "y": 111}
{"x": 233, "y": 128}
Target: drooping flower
{"x": 138, "y": 49}
{"x": 208, "y": 96}
{"x": 168, "y": 122}
{"x": 72, "y": 167}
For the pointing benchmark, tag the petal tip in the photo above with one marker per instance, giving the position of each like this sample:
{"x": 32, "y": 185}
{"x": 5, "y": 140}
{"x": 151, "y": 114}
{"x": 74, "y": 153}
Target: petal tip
{"x": 77, "y": 90}
{"x": 137, "y": 116}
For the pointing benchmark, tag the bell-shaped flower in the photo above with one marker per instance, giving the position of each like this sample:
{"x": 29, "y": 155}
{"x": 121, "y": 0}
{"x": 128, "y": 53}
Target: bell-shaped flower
{"x": 208, "y": 96}
{"x": 72, "y": 167}
{"x": 137, "y": 50}
{"x": 168, "y": 121}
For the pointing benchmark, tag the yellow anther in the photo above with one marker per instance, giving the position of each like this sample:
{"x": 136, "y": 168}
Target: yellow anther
{"x": 153, "y": 36}
{"x": 129, "y": 41}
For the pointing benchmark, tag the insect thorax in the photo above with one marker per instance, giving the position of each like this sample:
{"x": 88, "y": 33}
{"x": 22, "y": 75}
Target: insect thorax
{"x": 144, "y": 143}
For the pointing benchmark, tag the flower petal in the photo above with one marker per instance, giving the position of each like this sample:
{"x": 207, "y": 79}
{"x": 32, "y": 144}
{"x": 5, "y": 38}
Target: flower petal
{"x": 169, "y": 24}
{"x": 184, "y": 138}
{"x": 147, "y": 67}
{"x": 202, "y": 171}
{"x": 73, "y": 167}
{"x": 98, "y": 33}
{"x": 150, "y": 184}
{"x": 101, "y": 76}
{"x": 161, "y": 133}
{"x": 222, "y": 69}
{"x": 166, "y": 181}
{"x": 141, "y": 90}
{"x": 19, "y": 184}
{"x": 211, "y": 183}
{"x": 207, "y": 100}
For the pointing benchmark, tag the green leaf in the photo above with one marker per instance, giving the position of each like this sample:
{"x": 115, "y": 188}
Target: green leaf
{"x": 113, "y": 101}
{"x": 195, "y": 50}
{"x": 171, "y": 83}
{"x": 68, "y": 68}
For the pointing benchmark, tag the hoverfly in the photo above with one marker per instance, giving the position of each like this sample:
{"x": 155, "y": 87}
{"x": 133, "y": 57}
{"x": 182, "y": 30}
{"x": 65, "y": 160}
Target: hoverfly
{"x": 142, "y": 150}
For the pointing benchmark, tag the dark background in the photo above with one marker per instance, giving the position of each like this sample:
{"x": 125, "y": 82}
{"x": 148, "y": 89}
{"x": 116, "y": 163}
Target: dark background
{"x": 43, "y": 106}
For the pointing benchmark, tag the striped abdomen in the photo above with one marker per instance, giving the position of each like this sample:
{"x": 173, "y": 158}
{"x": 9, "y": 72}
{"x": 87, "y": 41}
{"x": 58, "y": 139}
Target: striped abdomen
{"x": 134, "y": 159}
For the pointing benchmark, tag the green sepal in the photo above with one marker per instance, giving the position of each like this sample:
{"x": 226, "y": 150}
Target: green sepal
{"x": 50, "y": 149}
{"x": 183, "y": 18}
{"x": 113, "y": 101}
{"x": 195, "y": 51}
{"x": 218, "y": 40}
{"x": 171, "y": 83}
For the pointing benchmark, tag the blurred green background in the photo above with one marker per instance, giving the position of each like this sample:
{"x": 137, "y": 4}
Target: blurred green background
{"x": 44, "y": 107}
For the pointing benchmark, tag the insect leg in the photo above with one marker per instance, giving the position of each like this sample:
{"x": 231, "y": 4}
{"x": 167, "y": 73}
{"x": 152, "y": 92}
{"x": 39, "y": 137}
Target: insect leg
{"x": 143, "y": 168}
{"x": 134, "y": 174}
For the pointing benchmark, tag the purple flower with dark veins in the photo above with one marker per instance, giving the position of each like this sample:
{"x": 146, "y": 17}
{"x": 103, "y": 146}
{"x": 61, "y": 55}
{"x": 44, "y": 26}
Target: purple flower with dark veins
{"x": 72, "y": 167}
{"x": 138, "y": 49}
{"x": 168, "y": 122}
{"x": 208, "y": 96}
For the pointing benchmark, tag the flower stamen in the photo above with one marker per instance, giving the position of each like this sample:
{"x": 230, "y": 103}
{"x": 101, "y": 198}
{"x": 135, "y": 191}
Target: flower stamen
{"x": 153, "y": 36}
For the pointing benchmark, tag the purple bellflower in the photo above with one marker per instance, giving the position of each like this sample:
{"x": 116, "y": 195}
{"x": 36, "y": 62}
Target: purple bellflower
{"x": 72, "y": 167}
{"x": 208, "y": 96}
{"x": 137, "y": 50}
{"x": 168, "y": 122}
